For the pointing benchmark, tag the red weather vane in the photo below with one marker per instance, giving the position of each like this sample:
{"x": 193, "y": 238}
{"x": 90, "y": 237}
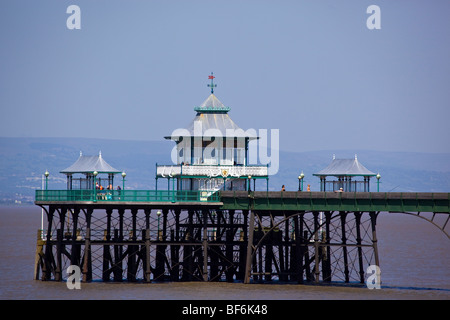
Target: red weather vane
{"x": 212, "y": 85}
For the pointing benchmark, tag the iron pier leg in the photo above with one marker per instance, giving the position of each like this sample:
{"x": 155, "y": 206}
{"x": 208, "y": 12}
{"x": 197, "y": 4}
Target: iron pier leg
{"x": 48, "y": 256}
{"x": 286, "y": 249}
{"x": 308, "y": 261}
{"x": 146, "y": 236}
{"x": 175, "y": 256}
{"x": 248, "y": 262}
{"x": 343, "y": 216}
{"x": 147, "y": 255}
{"x": 358, "y": 243}
{"x": 107, "y": 261}
{"x": 205, "y": 245}
{"x": 373, "y": 218}
{"x": 240, "y": 275}
{"x": 118, "y": 249}
{"x": 295, "y": 256}
{"x": 160, "y": 252}
{"x": 326, "y": 251}
{"x": 188, "y": 259}
{"x": 87, "y": 272}
{"x": 214, "y": 251}
{"x": 229, "y": 237}
{"x": 300, "y": 243}
{"x": 316, "y": 247}
{"x": 283, "y": 253}
{"x": 59, "y": 244}
{"x": 39, "y": 257}
{"x": 269, "y": 254}
{"x": 87, "y": 264}
{"x": 132, "y": 249}
{"x": 117, "y": 267}
{"x": 74, "y": 257}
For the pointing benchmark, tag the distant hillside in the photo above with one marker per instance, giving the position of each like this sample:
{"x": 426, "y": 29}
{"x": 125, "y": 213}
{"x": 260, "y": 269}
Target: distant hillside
{"x": 400, "y": 171}
{"x": 24, "y": 160}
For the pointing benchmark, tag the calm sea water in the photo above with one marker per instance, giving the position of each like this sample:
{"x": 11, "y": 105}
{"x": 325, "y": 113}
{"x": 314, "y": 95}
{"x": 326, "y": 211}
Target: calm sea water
{"x": 414, "y": 258}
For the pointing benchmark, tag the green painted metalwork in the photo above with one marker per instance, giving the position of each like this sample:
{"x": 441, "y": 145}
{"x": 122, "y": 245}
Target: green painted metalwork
{"x": 336, "y": 201}
{"x": 126, "y": 196}
{"x": 268, "y": 201}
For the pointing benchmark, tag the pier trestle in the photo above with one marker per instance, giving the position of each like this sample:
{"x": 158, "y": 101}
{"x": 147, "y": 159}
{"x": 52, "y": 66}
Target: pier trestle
{"x": 205, "y": 243}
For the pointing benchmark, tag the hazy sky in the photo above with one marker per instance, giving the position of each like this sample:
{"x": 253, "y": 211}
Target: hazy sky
{"x": 312, "y": 69}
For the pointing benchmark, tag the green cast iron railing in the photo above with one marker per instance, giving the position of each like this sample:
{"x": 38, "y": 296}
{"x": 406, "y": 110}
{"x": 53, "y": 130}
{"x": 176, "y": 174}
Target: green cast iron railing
{"x": 127, "y": 195}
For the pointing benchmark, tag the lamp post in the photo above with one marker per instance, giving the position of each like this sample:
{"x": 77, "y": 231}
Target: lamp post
{"x": 46, "y": 174}
{"x": 300, "y": 181}
{"x": 378, "y": 182}
{"x": 158, "y": 214}
{"x": 123, "y": 180}
{"x": 95, "y": 173}
{"x": 249, "y": 179}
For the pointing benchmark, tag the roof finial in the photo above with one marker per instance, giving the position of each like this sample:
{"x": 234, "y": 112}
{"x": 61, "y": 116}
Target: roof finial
{"x": 212, "y": 85}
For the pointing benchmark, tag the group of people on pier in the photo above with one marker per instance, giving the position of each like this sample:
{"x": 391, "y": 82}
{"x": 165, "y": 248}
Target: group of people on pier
{"x": 109, "y": 187}
{"x": 107, "y": 195}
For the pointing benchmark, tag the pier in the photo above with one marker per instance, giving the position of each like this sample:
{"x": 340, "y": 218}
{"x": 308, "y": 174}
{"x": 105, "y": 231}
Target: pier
{"x": 211, "y": 224}
{"x": 246, "y": 236}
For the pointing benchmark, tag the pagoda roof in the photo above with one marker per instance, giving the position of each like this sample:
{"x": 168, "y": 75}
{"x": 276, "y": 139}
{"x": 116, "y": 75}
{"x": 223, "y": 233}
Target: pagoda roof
{"x": 345, "y": 167}
{"x": 212, "y": 120}
{"x": 89, "y": 164}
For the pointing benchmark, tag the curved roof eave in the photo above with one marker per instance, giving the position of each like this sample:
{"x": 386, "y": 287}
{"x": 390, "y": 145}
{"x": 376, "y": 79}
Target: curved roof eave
{"x": 345, "y": 167}
{"x": 89, "y": 164}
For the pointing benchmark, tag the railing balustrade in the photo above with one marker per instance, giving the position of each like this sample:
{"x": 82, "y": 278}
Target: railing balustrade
{"x": 127, "y": 195}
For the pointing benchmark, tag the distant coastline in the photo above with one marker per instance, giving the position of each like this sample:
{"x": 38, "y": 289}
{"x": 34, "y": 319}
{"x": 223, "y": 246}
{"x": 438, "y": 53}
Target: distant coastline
{"x": 24, "y": 160}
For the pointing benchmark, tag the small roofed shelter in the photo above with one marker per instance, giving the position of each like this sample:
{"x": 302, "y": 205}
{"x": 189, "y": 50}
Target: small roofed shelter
{"x": 90, "y": 170}
{"x": 349, "y": 176}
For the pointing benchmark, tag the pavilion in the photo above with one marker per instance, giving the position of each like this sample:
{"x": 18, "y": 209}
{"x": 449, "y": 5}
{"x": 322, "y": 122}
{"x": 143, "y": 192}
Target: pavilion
{"x": 212, "y": 152}
{"x": 90, "y": 170}
{"x": 346, "y": 171}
